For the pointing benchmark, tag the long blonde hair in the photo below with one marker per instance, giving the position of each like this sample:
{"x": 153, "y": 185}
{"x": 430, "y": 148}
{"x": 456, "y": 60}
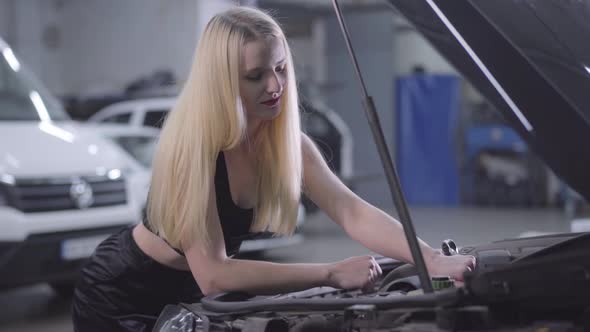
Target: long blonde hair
{"x": 208, "y": 118}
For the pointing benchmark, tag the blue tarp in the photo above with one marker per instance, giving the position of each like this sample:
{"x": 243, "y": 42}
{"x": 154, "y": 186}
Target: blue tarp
{"x": 427, "y": 110}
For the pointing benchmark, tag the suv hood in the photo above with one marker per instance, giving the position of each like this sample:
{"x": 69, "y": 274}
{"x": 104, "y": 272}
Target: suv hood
{"x": 531, "y": 60}
{"x": 34, "y": 149}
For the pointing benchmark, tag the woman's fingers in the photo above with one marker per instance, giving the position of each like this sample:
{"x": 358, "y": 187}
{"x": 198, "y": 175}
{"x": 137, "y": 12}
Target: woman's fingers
{"x": 473, "y": 262}
{"x": 360, "y": 272}
{"x": 378, "y": 268}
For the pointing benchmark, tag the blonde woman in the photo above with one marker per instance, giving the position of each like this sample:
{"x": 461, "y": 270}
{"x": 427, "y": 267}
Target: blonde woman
{"x": 232, "y": 160}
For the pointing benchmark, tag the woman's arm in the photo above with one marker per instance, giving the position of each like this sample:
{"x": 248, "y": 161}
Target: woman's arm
{"x": 215, "y": 272}
{"x": 365, "y": 223}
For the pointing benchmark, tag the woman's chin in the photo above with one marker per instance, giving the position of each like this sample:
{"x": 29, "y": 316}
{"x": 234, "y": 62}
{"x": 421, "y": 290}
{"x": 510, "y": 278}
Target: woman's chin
{"x": 268, "y": 113}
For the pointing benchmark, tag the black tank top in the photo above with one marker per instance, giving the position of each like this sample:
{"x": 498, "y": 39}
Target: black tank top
{"x": 235, "y": 221}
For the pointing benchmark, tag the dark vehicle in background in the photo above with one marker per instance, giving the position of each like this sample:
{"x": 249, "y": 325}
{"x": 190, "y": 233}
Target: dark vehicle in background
{"x": 531, "y": 60}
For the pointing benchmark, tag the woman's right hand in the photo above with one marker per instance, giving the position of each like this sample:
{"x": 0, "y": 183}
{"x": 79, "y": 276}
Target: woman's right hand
{"x": 354, "y": 273}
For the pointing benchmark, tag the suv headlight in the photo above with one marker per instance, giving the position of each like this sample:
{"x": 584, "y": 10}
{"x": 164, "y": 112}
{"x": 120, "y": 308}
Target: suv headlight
{"x": 115, "y": 173}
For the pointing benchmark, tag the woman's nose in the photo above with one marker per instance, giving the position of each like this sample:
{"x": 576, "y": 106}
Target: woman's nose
{"x": 274, "y": 84}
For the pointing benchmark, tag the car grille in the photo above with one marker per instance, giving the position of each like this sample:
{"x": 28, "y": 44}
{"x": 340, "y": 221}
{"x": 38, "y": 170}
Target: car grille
{"x": 41, "y": 195}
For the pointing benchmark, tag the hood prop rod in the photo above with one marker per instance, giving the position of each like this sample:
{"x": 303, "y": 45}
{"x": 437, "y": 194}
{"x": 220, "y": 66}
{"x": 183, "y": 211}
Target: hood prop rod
{"x": 390, "y": 170}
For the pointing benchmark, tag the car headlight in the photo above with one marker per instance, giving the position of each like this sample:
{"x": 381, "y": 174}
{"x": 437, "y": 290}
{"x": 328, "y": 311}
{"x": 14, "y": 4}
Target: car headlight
{"x": 115, "y": 173}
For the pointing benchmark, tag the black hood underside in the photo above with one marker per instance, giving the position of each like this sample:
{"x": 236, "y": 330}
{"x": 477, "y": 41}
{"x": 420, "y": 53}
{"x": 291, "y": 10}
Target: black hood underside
{"x": 531, "y": 60}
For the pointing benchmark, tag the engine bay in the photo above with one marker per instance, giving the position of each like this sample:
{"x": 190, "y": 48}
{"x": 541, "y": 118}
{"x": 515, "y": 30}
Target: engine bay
{"x": 493, "y": 297}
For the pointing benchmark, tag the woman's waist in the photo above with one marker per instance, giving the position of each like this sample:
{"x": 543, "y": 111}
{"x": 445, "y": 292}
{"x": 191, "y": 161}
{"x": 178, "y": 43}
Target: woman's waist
{"x": 157, "y": 249}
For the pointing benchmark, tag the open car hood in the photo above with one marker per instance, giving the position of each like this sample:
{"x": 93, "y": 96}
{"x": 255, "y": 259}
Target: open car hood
{"x": 531, "y": 60}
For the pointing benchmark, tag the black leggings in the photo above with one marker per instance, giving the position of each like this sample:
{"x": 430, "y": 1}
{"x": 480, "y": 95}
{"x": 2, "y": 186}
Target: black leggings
{"x": 123, "y": 289}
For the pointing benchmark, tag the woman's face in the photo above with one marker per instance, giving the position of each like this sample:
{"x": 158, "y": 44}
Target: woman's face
{"x": 262, "y": 77}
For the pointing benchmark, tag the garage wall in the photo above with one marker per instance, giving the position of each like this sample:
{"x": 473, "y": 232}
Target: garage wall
{"x": 97, "y": 46}
{"x": 411, "y": 49}
{"x": 6, "y": 20}
{"x": 384, "y": 51}
{"x": 105, "y": 44}
{"x": 344, "y": 96}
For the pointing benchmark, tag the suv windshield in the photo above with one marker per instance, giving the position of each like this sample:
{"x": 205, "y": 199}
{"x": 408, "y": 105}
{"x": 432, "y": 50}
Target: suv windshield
{"x": 22, "y": 96}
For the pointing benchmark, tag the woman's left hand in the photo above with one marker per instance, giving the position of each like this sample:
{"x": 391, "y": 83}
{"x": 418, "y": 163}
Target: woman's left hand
{"x": 452, "y": 266}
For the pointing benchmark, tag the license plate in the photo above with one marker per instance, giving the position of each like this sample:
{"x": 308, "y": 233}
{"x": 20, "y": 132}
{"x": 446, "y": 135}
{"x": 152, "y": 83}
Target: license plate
{"x": 81, "y": 247}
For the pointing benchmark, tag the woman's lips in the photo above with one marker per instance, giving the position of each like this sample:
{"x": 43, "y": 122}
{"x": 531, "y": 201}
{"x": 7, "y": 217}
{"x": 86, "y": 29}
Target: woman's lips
{"x": 272, "y": 102}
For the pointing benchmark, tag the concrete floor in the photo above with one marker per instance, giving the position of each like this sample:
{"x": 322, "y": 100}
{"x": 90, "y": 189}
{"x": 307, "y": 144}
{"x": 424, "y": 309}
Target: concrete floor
{"x": 37, "y": 308}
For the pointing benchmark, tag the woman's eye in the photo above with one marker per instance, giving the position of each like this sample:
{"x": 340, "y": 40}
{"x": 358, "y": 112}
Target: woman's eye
{"x": 258, "y": 76}
{"x": 254, "y": 77}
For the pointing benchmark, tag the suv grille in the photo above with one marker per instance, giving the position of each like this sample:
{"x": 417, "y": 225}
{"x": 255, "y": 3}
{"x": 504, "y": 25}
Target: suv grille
{"x": 40, "y": 195}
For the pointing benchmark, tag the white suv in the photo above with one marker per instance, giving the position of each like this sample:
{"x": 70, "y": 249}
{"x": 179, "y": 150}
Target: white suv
{"x": 145, "y": 112}
{"x": 63, "y": 189}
